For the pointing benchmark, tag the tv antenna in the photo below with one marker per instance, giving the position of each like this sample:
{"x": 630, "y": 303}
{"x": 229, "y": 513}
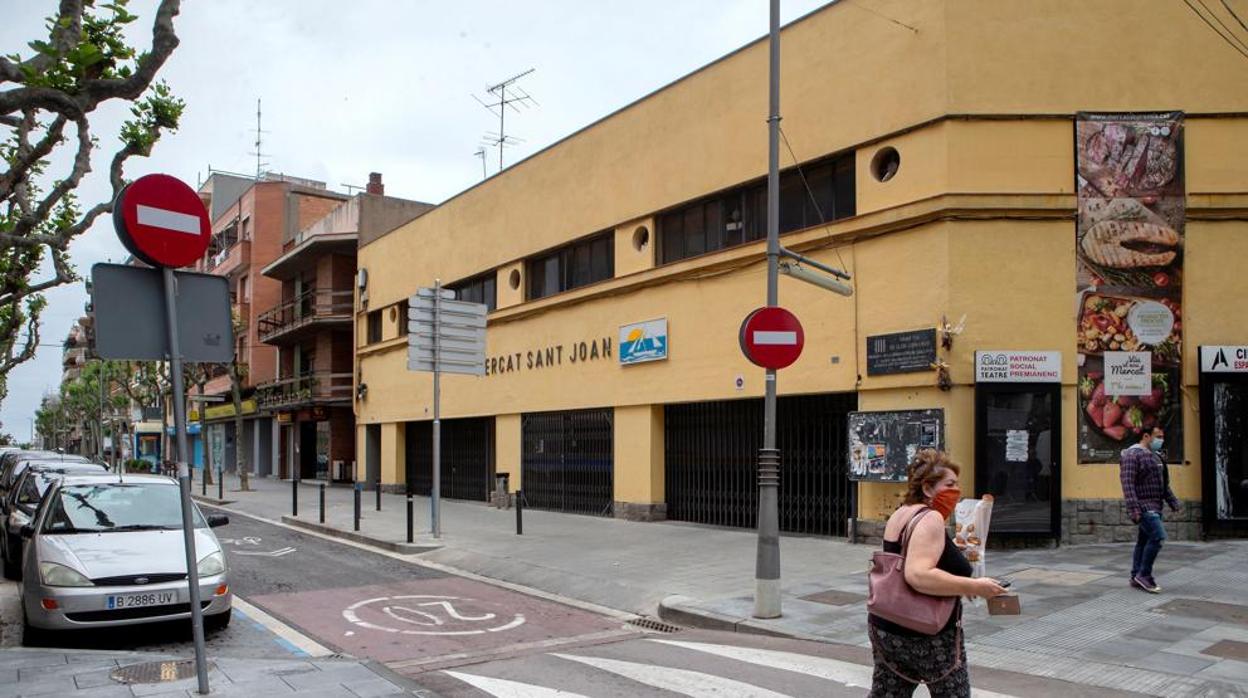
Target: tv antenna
{"x": 260, "y": 164}
{"x": 481, "y": 154}
{"x": 503, "y": 96}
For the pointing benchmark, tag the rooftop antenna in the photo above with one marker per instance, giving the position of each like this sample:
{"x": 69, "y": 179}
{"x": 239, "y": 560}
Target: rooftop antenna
{"x": 481, "y": 154}
{"x": 500, "y": 101}
{"x": 260, "y": 164}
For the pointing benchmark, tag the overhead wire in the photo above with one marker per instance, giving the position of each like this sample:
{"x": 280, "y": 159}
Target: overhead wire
{"x": 1222, "y": 36}
{"x": 1218, "y": 19}
{"x": 823, "y": 220}
{"x": 1234, "y": 14}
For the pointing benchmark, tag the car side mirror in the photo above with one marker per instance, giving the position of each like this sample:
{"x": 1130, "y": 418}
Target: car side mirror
{"x": 217, "y": 520}
{"x": 27, "y": 531}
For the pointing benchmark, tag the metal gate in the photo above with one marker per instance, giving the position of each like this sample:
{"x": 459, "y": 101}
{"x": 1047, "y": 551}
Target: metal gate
{"x": 467, "y": 458}
{"x": 569, "y": 461}
{"x": 711, "y": 453}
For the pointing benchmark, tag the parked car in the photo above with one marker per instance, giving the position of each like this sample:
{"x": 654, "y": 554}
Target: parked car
{"x": 13, "y": 463}
{"x": 107, "y": 550}
{"x": 18, "y": 508}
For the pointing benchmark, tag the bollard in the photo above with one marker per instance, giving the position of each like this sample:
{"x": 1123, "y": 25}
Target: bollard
{"x": 410, "y": 518}
{"x": 221, "y": 485}
{"x": 378, "y": 494}
{"x": 203, "y": 483}
{"x": 322, "y": 502}
{"x": 294, "y": 496}
{"x": 519, "y": 513}
{"x": 356, "y": 491}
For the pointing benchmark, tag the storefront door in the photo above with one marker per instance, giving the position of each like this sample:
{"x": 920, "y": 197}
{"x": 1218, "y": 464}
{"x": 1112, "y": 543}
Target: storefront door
{"x": 1224, "y": 440}
{"x": 1018, "y": 456}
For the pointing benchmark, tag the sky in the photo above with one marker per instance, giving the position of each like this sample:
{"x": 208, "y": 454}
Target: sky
{"x": 349, "y": 88}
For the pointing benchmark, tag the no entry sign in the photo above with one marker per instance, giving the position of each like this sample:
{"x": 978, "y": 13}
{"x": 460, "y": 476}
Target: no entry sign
{"x": 162, "y": 221}
{"x": 772, "y": 337}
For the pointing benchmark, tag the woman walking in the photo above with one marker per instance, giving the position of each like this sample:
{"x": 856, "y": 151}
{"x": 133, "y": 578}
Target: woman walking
{"x": 935, "y": 567}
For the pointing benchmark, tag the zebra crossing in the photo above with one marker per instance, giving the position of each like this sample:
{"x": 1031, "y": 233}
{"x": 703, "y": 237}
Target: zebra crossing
{"x": 665, "y": 667}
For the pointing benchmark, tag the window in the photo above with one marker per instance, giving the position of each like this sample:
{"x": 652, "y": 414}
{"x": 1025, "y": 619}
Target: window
{"x": 374, "y": 327}
{"x": 480, "y": 289}
{"x": 581, "y": 263}
{"x": 739, "y": 215}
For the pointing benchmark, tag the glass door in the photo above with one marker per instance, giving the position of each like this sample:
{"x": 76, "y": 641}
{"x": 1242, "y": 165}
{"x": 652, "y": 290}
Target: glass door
{"x": 1018, "y": 456}
{"x": 1224, "y": 452}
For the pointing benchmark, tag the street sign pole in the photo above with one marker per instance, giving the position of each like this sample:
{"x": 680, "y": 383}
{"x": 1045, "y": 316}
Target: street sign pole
{"x": 767, "y": 563}
{"x": 184, "y": 476}
{"x": 435, "y": 500}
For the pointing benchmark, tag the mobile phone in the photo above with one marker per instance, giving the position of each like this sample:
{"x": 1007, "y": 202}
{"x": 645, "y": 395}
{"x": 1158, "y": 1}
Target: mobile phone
{"x": 1005, "y": 582}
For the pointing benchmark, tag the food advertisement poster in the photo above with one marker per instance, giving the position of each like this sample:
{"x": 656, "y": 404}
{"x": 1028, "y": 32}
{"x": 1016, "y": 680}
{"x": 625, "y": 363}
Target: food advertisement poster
{"x": 1129, "y": 256}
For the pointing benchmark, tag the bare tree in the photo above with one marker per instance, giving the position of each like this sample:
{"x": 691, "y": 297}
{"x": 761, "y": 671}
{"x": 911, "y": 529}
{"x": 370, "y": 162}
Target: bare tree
{"x": 47, "y": 99}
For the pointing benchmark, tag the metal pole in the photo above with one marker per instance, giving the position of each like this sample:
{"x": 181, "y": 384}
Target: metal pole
{"x": 435, "y": 500}
{"x": 99, "y": 379}
{"x": 767, "y": 564}
{"x": 322, "y": 519}
{"x": 355, "y": 492}
{"x": 519, "y": 513}
{"x": 378, "y": 494}
{"x": 294, "y": 497}
{"x": 411, "y": 524}
{"x": 221, "y": 477}
{"x": 184, "y": 477}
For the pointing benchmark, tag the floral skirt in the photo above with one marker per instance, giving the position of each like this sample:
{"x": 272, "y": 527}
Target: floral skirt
{"x": 901, "y": 661}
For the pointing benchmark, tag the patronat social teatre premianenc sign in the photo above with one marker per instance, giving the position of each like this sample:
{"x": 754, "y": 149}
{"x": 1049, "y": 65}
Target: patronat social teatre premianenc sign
{"x": 1018, "y": 367}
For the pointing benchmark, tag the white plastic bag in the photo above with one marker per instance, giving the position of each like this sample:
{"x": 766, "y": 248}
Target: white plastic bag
{"x": 970, "y": 530}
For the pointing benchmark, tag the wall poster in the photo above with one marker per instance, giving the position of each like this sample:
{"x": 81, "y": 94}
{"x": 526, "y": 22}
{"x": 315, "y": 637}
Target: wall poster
{"x": 1129, "y": 276}
{"x": 882, "y": 444}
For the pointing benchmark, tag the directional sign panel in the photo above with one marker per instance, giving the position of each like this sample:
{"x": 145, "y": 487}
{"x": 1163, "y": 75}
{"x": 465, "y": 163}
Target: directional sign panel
{"x": 162, "y": 221}
{"x": 444, "y": 334}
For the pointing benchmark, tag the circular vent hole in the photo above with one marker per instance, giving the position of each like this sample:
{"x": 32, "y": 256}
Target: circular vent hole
{"x": 513, "y": 279}
{"x": 885, "y": 164}
{"x": 641, "y": 238}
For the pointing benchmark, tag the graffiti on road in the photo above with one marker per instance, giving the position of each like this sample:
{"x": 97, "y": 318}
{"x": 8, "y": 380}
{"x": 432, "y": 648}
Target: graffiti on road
{"x": 426, "y": 614}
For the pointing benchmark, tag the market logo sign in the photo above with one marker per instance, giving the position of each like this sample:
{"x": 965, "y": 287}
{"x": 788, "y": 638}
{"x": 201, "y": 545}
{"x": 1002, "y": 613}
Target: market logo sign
{"x": 1224, "y": 359}
{"x": 1018, "y": 367}
{"x": 1128, "y": 373}
{"x": 641, "y": 342}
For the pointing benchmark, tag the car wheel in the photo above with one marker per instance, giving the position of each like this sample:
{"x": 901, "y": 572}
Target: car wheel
{"x": 217, "y": 622}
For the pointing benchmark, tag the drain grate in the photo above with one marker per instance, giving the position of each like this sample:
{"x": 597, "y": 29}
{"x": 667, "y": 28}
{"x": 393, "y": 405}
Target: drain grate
{"x": 652, "y": 625}
{"x": 156, "y": 672}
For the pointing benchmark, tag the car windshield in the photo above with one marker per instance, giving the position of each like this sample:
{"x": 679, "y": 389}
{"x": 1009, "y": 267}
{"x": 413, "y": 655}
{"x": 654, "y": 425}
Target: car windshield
{"x": 116, "y": 506}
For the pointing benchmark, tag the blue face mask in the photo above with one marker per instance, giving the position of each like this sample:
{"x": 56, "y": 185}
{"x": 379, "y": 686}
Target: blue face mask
{"x": 1156, "y": 444}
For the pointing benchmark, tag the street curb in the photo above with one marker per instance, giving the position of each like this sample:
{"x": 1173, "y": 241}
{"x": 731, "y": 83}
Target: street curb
{"x": 325, "y": 529}
{"x": 678, "y": 610}
{"x": 212, "y": 500}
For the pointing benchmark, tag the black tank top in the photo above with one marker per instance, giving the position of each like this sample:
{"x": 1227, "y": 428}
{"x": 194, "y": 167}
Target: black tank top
{"x": 952, "y": 561}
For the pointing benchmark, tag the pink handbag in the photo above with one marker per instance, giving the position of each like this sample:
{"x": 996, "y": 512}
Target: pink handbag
{"x": 894, "y": 600}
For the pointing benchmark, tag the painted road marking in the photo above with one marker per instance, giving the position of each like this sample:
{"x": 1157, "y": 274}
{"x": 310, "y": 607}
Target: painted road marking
{"x": 270, "y": 553}
{"x": 247, "y": 540}
{"x": 775, "y": 337}
{"x": 502, "y": 688}
{"x": 172, "y": 221}
{"x": 683, "y": 681}
{"x": 410, "y": 612}
{"x": 847, "y": 673}
{"x": 301, "y": 642}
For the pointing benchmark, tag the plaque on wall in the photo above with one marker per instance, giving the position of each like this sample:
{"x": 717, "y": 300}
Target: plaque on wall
{"x": 901, "y": 352}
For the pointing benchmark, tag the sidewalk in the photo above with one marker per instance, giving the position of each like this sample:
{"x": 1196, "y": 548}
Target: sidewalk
{"x": 1080, "y": 622}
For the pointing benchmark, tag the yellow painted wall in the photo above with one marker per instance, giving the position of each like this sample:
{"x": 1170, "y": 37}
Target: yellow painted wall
{"x": 629, "y": 258}
{"x": 506, "y": 295}
{"x": 639, "y": 454}
{"x": 507, "y": 447}
{"x": 393, "y": 460}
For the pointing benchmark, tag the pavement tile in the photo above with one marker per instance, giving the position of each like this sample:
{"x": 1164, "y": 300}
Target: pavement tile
{"x": 1226, "y": 670}
{"x": 331, "y": 675}
{"x": 46, "y": 685}
{"x": 17, "y": 660}
{"x": 374, "y": 688}
{"x": 97, "y": 677}
{"x": 1167, "y": 632}
{"x": 268, "y": 686}
{"x": 114, "y": 691}
{"x": 1171, "y": 663}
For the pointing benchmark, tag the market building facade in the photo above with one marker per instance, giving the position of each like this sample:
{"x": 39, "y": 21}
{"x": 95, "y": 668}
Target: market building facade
{"x": 1041, "y": 242}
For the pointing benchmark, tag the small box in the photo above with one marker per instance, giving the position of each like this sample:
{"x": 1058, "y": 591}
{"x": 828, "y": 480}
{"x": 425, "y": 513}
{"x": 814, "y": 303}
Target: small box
{"x": 1004, "y": 605}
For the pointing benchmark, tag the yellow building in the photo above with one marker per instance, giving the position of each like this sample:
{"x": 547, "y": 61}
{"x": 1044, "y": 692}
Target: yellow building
{"x": 942, "y": 149}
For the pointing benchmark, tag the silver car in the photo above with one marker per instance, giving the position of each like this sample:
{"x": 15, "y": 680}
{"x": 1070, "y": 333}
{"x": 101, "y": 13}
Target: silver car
{"x": 106, "y": 550}
{"x": 18, "y": 507}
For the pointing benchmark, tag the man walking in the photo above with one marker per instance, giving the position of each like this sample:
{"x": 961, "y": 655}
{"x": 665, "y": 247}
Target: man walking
{"x": 1145, "y": 487}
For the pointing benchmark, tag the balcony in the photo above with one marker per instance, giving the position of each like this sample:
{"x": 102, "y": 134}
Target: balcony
{"x": 228, "y": 259}
{"x": 312, "y": 389}
{"x": 303, "y": 316}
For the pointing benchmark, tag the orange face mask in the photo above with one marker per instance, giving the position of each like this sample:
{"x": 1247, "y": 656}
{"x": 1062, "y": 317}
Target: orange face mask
{"x": 946, "y": 500}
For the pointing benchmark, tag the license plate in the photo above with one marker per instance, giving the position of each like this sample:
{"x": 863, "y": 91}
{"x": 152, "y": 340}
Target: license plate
{"x": 155, "y": 598}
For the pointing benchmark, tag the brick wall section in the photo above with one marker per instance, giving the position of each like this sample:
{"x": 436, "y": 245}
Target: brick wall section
{"x": 268, "y": 222}
{"x": 341, "y": 435}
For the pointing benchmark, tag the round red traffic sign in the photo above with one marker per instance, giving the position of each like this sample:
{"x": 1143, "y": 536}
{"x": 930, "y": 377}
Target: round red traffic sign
{"x": 772, "y": 337}
{"x": 162, "y": 221}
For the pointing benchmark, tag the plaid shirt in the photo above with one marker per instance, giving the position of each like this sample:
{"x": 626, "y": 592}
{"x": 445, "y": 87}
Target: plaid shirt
{"x": 1145, "y": 482}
